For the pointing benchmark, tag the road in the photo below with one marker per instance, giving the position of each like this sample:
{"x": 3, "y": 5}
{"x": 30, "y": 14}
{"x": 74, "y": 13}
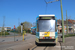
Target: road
{"x": 46, "y": 47}
{"x": 17, "y": 45}
{"x": 29, "y": 42}
{"x": 17, "y": 38}
{"x": 12, "y": 34}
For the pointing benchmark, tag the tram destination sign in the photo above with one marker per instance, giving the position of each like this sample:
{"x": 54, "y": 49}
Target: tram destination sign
{"x": 47, "y": 18}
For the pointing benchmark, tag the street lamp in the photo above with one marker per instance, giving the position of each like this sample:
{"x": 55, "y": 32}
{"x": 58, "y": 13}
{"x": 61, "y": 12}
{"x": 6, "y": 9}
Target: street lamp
{"x": 61, "y": 16}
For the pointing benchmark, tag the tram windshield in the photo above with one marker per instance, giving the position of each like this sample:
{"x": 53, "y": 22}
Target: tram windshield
{"x": 46, "y": 25}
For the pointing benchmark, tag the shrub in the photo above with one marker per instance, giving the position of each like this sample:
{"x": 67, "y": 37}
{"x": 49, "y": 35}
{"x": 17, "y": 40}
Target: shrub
{"x": 69, "y": 35}
{"x": 6, "y": 33}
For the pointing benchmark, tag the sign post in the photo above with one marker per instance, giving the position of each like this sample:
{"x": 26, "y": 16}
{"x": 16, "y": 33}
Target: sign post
{"x": 14, "y": 33}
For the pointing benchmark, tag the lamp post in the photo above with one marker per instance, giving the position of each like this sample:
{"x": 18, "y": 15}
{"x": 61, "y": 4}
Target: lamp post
{"x": 61, "y": 16}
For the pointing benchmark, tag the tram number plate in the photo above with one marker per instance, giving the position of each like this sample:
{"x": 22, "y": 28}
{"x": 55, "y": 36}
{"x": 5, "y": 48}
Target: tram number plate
{"x": 46, "y": 37}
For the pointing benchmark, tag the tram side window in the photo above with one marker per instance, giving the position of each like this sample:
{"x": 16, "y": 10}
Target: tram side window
{"x": 37, "y": 28}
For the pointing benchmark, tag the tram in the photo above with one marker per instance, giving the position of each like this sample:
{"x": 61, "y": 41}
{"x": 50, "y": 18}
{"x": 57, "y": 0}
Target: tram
{"x": 46, "y": 29}
{"x": 33, "y": 30}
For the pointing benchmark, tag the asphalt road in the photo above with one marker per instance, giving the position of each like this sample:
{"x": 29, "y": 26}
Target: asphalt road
{"x": 9, "y": 43}
{"x": 10, "y": 37}
{"x": 17, "y": 38}
{"x": 46, "y": 47}
{"x": 29, "y": 42}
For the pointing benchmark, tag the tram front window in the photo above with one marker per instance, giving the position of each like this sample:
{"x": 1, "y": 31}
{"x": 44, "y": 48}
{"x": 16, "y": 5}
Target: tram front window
{"x": 46, "y": 25}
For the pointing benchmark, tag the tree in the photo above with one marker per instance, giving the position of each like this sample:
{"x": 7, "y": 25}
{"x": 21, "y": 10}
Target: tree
{"x": 27, "y": 26}
{"x": 34, "y": 24}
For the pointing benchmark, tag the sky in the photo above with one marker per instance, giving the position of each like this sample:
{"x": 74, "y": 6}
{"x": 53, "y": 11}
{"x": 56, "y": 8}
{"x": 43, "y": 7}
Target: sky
{"x": 17, "y": 11}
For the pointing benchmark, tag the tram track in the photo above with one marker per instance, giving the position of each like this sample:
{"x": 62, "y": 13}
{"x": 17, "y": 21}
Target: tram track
{"x": 47, "y": 46}
{"x": 40, "y": 47}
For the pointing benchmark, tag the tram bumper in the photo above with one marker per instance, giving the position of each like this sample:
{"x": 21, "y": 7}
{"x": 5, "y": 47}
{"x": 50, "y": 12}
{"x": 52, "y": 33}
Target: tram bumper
{"x": 46, "y": 41}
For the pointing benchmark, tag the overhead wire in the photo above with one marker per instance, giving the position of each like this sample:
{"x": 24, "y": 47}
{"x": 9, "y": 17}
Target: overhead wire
{"x": 46, "y": 6}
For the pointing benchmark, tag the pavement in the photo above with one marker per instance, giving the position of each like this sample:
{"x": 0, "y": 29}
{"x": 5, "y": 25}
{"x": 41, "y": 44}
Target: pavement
{"x": 65, "y": 34}
{"x": 69, "y": 43}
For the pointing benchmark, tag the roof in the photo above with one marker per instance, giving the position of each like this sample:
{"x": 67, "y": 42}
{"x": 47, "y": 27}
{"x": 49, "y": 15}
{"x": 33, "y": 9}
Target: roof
{"x": 47, "y": 15}
{"x": 60, "y": 22}
{"x": 68, "y": 22}
{"x": 71, "y": 21}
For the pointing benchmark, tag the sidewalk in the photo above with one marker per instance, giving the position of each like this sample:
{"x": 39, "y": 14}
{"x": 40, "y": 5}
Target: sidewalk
{"x": 69, "y": 44}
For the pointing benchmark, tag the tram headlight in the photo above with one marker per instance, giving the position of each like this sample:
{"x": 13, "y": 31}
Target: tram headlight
{"x": 52, "y": 37}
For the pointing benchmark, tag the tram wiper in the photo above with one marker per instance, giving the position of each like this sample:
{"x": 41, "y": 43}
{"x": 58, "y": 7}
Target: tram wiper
{"x": 49, "y": 30}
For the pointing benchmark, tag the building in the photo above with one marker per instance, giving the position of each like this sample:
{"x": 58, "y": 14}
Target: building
{"x": 59, "y": 26}
{"x": 5, "y": 28}
{"x": 74, "y": 27}
{"x": 0, "y": 29}
{"x": 73, "y": 23}
{"x": 70, "y": 27}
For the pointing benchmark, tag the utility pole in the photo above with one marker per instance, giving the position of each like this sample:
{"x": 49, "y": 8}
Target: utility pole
{"x": 18, "y": 21}
{"x": 61, "y": 17}
{"x": 18, "y": 24}
{"x": 66, "y": 23}
{"x": 3, "y": 25}
{"x": 14, "y": 33}
{"x": 73, "y": 27}
{"x": 62, "y": 20}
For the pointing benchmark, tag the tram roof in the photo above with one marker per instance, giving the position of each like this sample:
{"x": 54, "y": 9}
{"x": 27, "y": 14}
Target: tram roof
{"x": 45, "y": 15}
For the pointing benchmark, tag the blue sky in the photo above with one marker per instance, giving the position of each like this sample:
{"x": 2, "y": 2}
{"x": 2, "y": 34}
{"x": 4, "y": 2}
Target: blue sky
{"x": 28, "y": 10}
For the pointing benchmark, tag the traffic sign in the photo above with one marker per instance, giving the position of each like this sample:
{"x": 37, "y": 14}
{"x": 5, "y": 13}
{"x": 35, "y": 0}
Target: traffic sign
{"x": 14, "y": 26}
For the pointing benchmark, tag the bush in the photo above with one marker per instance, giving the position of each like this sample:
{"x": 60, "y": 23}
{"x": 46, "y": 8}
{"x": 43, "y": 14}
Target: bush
{"x": 6, "y": 33}
{"x": 14, "y": 31}
{"x": 69, "y": 35}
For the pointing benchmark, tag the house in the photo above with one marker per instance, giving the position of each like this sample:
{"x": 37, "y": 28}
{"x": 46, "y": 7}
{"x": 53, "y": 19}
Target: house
{"x": 70, "y": 27}
{"x": 5, "y": 28}
{"x": 74, "y": 26}
{"x": 59, "y": 26}
{"x": 0, "y": 29}
{"x": 73, "y": 23}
